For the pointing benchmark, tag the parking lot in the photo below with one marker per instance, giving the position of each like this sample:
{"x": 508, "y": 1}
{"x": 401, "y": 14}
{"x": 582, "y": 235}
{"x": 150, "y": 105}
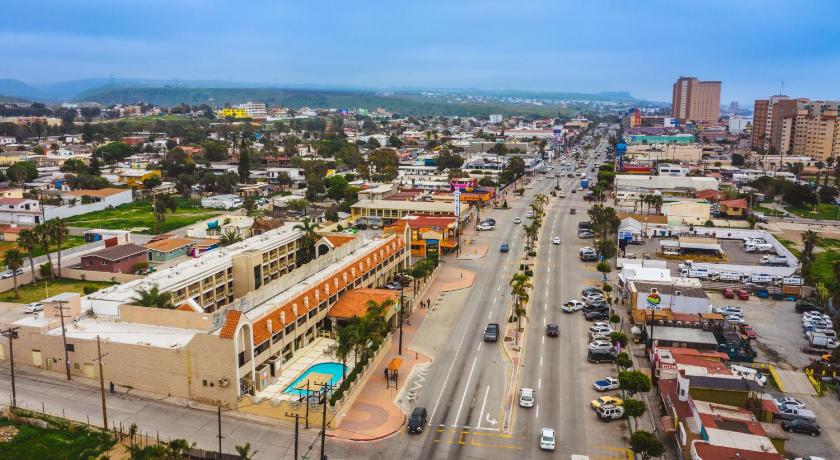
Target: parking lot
{"x": 780, "y": 338}
{"x": 734, "y": 250}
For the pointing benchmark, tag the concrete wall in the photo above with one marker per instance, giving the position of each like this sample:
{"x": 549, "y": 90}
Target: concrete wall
{"x": 90, "y": 275}
{"x": 163, "y": 317}
{"x": 51, "y": 212}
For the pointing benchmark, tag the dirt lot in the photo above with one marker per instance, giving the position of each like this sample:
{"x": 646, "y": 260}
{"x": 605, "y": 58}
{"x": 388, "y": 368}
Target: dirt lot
{"x": 780, "y": 337}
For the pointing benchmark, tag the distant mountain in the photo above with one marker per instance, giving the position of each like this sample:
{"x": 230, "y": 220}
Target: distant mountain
{"x": 16, "y": 88}
{"x": 4, "y": 99}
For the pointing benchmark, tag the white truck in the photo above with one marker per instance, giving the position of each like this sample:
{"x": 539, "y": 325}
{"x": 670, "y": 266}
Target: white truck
{"x": 774, "y": 260}
{"x": 822, "y": 341}
{"x": 759, "y": 247}
{"x": 688, "y": 270}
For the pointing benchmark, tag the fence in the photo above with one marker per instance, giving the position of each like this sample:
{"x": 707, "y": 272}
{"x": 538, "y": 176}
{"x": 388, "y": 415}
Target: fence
{"x": 817, "y": 383}
{"x": 122, "y": 434}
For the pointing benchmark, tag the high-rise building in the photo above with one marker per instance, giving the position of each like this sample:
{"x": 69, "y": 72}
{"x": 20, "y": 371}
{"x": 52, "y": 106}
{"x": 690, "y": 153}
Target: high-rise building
{"x": 695, "y": 100}
{"x": 494, "y": 118}
{"x": 798, "y": 127}
{"x": 733, "y": 108}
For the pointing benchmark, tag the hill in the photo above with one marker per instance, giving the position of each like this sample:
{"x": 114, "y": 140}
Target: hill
{"x": 19, "y": 89}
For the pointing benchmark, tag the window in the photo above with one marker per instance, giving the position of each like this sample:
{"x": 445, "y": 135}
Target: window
{"x": 257, "y": 277}
{"x": 290, "y": 328}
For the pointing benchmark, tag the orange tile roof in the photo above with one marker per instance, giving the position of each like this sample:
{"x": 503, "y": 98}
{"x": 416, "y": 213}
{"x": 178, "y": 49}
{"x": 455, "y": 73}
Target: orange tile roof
{"x": 308, "y": 300}
{"x": 355, "y": 302}
{"x": 168, "y": 244}
{"x": 100, "y": 193}
{"x": 707, "y": 451}
{"x": 338, "y": 240}
{"x": 186, "y": 307}
{"x": 231, "y": 321}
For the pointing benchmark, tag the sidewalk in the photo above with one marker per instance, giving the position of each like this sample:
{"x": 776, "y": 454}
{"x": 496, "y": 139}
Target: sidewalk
{"x": 374, "y": 414}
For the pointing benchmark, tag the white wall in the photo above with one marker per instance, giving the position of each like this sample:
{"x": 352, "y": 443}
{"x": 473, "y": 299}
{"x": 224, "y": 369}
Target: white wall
{"x": 65, "y": 211}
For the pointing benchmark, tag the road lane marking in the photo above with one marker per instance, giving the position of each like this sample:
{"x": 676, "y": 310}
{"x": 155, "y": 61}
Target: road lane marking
{"x": 537, "y": 413}
{"x": 466, "y": 389}
{"x": 539, "y": 383}
{"x": 448, "y": 373}
{"x": 478, "y": 347}
{"x": 543, "y": 340}
{"x": 481, "y": 413}
{"x": 490, "y": 313}
{"x": 541, "y": 361}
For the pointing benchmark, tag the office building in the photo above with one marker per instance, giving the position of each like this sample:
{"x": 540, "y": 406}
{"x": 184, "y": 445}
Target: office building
{"x": 696, "y": 101}
{"x": 797, "y": 127}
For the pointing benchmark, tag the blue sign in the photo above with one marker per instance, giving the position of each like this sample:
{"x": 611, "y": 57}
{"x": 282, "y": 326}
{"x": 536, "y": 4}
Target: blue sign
{"x": 625, "y": 235}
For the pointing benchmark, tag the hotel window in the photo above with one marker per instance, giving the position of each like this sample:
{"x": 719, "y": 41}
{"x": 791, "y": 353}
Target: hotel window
{"x": 290, "y": 328}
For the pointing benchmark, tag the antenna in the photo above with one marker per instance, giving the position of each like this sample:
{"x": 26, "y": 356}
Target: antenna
{"x": 782, "y": 88}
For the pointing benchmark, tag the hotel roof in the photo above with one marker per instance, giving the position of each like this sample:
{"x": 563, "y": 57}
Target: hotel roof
{"x": 355, "y": 302}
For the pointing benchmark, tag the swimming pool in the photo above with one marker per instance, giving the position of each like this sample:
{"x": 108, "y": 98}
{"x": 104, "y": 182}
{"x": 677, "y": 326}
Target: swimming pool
{"x": 336, "y": 370}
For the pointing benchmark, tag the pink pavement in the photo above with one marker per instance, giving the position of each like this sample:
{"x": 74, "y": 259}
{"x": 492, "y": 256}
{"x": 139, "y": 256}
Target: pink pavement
{"x": 373, "y": 414}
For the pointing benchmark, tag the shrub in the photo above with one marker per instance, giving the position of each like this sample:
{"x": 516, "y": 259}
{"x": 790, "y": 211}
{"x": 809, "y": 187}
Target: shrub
{"x": 88, "y": 290}
{"x": 45, "y": 270}
{"x": 615, "y": 319}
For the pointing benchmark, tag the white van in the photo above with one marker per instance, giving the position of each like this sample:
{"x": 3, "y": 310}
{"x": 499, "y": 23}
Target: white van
{"x": 759, "y": 247}
{"x": 749, "y": 374}
{"x": 729, "y": 276}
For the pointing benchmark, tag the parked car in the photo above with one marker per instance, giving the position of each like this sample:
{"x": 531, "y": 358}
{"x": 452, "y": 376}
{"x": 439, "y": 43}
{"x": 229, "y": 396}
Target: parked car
{"x": 591, "y": 290}
{"x": 8, "y": 273}
{"x": 526, "y": 397}
{"x": 592, "y": 296}
{"x": 596, "y": 315}
{"x": 747, "y": 330}
{"x": 743, "y": 294}
{"x": 791, "y": 413}
{"x": 606, "y": 384}
{"x": 417, "y": 420}
{"x": 788, "y": 401}
{"x": 584, "y": 234}
{"x": 572, "y": 306}
{"x": 601, "y": 345}
{"x": 804, "y": 306}
{"x": 596, "y": 403}
{"x": 34, "y": 307}
{"x": 547, "y": 439}
{"x": 729, "y": 293}
{"x": 729, "y": 310}
{"x": 485, "y": 227}
{"x": 609, "y": 412}
{"x": 393, "y": 285}
{"x": 801, "y": 426}
{"x": 552, "y": 330}
{"x": 601, "y": 356}
{"x": 517, "y": 220}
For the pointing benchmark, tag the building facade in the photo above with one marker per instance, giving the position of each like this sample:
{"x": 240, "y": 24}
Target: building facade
{"x": 695, "y": 100}
{"x": 797, "y": 127}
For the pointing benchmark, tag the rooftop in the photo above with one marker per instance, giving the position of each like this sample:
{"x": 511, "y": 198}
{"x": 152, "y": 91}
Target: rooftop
{"x": 88, "y": 328}
{"x": 99, "y": 193}
{"x": 168, "y": 244}
{"x": 684, "y": 334}
{"x": 411, "y": 206}
{"x": 355, "y": 302}
{"x": 118, "y": 252}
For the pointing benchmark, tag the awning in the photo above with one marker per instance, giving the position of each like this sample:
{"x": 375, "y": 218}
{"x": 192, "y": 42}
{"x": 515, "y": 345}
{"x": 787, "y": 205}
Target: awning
{"x": 395, "y": 364}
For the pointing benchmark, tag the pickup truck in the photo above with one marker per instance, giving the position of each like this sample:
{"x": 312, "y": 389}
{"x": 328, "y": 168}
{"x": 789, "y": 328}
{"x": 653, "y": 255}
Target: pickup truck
{"x": 793, "y": 413}
{"x": 609, "y": 412}
{"x": 491, "y": 332}
{"x": 822, "y": 341}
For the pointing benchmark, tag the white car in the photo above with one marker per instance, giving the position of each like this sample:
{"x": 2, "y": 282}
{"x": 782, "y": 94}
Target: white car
{"x": 572, "y": 306}
{"x": 517, "y": 220}
{"x": 556, "y": 240}
{"x": 812, "y": 315}
{"x": 530, "y": 214}
{"x": 526, "y": 397}
{"x": 34, "y": 307}
{"x": 600, "y": 330}
{"x": 547, "y": 439}
{"x": 605, "y": 345}
{"x": 729, "y": 310}
{"x": 8, "y": 273}
{"x": 606, "y": 384}
{"x": 735, "y": 319}
{"x": 593, "y": 297}
{"x": 586, "y": 249}
{"x": 789, "y": 402}
{"x": 485, "y": 227}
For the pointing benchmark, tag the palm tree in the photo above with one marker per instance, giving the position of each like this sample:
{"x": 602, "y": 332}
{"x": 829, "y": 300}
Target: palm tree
{"x": 153, "y": 298}
{"x": 819, "y": 165}
{"x": 245, "y": 451}
{"x": 519, "y": 285}
{"x": 13, "y": 260}
{"x": 177, "y": 449}
{"x": 829, "y": 164}
{"x": 45, "y": 237}
{"x": 229, "y": 237}
{"x": 344, "y": 345}
{"x": 58, "y": 229}
{"x": 809, "y": 241}
{"x": 656, "y": 200}
{"x": 307, "y": 249}
{"x": 159, "y": 207}
{"x": 28, "y": 241}
{"x": 530, "y": 233}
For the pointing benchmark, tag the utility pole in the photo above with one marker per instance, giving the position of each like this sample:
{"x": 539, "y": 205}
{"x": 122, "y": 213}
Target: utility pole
{"x": 12, "y": 334}
{"x": 401, "y": 319}
{"x": 102, "y": 382}
{"x": 297, "y": 433}
{"x": 219, "y": 417}
{"x": 60, "y": 309}
{"x": 324, "y": 422}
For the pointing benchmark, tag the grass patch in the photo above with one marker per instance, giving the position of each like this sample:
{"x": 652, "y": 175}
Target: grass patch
{"x": 54, "y": 443}
{"x": 823, "y": 211}
{"x": 137, "y": 216}
{"x": 70, "y": 242}
{"x": 823, "y": 267}
{"x": 34, "y": 292}
{"x": 790, "y": 245}
{"x": 769, "y": 212}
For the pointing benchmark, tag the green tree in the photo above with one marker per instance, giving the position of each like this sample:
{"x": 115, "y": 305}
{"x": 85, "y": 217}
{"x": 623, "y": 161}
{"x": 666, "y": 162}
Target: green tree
{"x": 384, "y": 163}
{"x": 153, "y": 298}
{"x": 809, "y": 242}
{"x": 114, "y": 151}
{"x": 160, "y": 205}
{"x": 519, "y": 289}
{"x": 244, "y": 452}
{"x": 306, "y": 252}
{"x": 22, "y": 172}
{"x": 634, "y": 382}
{"x": 229, "y": 237}
{"x": 244, "y": 168}
{"x": 59, "y": 233}
{"x": 646, "y": 445}
{"x": 634, "y": 408}
{"x": 45, "y": 238}
{"x": 623, "y": 361}
{"x": 620, "y": 338}
{"x": 28, "y": 241}
{"x": 13, "y": 260}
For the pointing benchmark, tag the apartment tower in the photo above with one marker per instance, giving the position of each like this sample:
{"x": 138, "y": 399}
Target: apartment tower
{"x": 695, "y": 100}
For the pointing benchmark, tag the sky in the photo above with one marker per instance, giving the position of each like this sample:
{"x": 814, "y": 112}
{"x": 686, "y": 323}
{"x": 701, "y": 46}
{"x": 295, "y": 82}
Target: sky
{"x": 582, "y": 46}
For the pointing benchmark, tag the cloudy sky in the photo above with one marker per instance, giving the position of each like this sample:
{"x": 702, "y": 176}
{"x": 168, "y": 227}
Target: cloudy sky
{"x": 589, "y": 46}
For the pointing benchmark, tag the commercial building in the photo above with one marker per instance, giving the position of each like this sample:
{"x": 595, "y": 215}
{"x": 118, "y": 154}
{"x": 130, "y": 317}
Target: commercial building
{"x": 696, "y": 101}
{"x": 677, "y": 296}
{"x": 796, "y": 127}
{"x": 389, "y": 211}
{"x": 430, "y": 235}
{"x": 213, "y": 356}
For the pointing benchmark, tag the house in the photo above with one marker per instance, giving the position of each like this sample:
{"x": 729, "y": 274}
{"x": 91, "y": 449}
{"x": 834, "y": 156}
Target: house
{"x": 221, "y": 202}
{"x": 11, "y": 232}
{"x": 134, "y": 177}
{"x": 11, "y": 192}
{"x": 20, "y": 211}
{"x": 116, "y": 259}
{"x": 734, "y": 208}
{"x": 167, "y": 249}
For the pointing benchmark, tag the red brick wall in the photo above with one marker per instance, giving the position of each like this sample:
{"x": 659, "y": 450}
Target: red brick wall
{"x": 121, "y": 266}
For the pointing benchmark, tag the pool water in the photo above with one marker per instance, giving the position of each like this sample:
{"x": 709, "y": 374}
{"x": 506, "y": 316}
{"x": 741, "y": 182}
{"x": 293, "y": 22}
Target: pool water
{"x": 336, "y": 370}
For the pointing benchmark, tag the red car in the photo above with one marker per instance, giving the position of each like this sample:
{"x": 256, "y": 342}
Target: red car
{"x": 729, "y": 293}
{"x": 747, "y": 330}
{"x": 743, "y": 294}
